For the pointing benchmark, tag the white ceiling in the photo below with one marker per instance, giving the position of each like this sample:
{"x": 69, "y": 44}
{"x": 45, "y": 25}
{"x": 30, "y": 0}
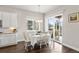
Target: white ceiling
{"x": 36, "y": 8}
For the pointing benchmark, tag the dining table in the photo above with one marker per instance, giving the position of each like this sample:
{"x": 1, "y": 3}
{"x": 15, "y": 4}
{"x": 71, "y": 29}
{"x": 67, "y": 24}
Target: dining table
{"x": 36, "y": 38}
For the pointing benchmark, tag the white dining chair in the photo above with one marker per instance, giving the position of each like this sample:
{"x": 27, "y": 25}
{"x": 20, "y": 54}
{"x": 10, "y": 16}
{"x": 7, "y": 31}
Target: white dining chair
{"x": 44, "y": 39}
{"x": 28, "y": 39}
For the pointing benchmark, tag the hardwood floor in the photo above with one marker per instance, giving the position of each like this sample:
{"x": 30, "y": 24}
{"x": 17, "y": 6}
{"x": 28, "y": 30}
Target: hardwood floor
{"x": 19, "y": 48}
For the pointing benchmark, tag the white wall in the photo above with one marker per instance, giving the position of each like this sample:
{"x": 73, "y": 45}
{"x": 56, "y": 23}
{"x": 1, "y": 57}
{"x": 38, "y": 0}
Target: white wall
{"x": 22, "y": 14}
{"x": 70, "y": 30}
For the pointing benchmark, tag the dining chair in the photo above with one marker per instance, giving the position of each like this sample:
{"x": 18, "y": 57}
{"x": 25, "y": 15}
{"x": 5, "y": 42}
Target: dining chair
{"x": 44, "y": 39}
{"x": 27, "y": 37}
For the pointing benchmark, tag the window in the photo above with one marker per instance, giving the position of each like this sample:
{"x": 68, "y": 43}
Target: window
{"x": 33, "y": 23}
{"x": 30, "y": 25}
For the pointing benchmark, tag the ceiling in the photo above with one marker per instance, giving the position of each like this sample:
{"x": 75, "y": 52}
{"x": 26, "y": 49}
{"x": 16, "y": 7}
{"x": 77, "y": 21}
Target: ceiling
{"x": 36, "y": 8}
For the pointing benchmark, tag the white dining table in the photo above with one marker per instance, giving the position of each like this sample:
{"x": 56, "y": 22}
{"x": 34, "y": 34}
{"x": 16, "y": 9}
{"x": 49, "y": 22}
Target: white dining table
{"x": 36, "y": 38}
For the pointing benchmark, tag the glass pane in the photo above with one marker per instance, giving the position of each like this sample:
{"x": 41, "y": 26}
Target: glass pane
{"x": 30, "y": 25}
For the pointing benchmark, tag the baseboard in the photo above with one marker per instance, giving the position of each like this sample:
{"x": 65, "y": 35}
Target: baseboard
{"x": 70, "y": 47}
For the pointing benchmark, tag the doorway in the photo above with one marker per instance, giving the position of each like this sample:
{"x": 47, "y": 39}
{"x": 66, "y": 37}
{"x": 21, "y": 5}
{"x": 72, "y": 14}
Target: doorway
{"x": 55, "y": 27}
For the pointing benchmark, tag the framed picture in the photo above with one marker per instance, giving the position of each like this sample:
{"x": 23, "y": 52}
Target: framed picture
{"x": 74, "y": 17}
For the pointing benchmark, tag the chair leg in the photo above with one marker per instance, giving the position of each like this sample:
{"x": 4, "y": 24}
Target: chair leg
{"x": 46, "y": 44}
{"x": 25, "y": 48}
{"x": 40, "y": 46}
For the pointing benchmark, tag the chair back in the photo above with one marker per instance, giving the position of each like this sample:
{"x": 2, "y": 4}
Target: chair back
{"x": 27, "y": 36}
{"x": 45, "y": 37}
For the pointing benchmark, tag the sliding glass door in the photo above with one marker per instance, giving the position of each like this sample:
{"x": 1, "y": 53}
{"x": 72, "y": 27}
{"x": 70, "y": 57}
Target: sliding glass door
{"x": 55, "y": 27}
